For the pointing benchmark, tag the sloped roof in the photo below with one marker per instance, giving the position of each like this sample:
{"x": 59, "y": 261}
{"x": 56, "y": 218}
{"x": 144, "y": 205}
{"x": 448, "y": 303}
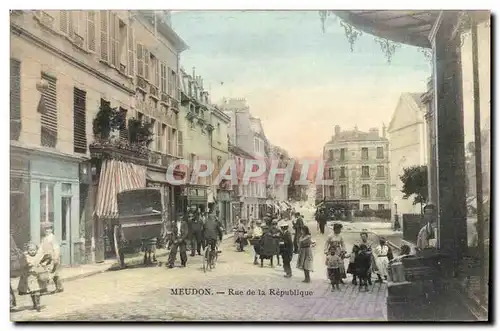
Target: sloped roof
{"x": 353, "y": 135}
{"x": 417, "y": 97}
{"x": 235, "y": 150}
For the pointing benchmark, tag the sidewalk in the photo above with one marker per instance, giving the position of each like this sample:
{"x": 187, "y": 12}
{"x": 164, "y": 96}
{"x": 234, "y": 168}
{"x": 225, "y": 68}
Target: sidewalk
{"x": 71, "y": 273}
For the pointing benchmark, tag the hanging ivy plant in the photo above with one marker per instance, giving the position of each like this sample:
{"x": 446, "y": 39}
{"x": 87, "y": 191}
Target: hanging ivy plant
{"x": 140, "y": 132}
{"x": 106, "y": 120}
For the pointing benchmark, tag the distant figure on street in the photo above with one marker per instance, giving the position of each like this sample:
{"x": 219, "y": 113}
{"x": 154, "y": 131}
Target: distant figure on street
{"x": 50, "y": 246}
{"x": 426, "y": 233}
{"x": 241, "y": 232}
{"x": 286, "y": 248}
{"x": 256, "y": 235}
{"x": 305, "y": 258}
{"x": 196, "y": 233}
{"x": 297, "y": 227}
{"x": 180, "y": 238}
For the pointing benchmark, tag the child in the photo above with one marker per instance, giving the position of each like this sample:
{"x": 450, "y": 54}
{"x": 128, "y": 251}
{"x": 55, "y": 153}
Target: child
{"x": 332, "y": 263}
{"x": 363, "y": 264}
{"x": 351, "y": 269}
{"x": 34, "y": 277}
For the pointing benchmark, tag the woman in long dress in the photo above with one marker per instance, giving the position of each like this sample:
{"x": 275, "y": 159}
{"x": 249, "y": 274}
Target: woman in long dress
{"x": 305, "y": 257}
{"x": 336, "y": 240}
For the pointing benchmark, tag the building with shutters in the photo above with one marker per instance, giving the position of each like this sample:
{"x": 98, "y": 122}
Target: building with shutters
{"x": 358, "y": 164}
{"x": 64, "y": 66}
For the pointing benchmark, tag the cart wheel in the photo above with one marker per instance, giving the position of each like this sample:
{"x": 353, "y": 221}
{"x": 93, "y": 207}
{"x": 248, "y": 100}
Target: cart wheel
{"x": 120, "y": 256}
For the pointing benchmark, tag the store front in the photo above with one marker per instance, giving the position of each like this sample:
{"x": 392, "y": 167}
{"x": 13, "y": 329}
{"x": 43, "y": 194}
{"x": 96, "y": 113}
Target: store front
{"x": 224, "y": 205}
{"x": 157, "y": 179}
{"x": 54, "y": 198}
{"x": 19, "y": 197}
{"x": 195, "y": 196}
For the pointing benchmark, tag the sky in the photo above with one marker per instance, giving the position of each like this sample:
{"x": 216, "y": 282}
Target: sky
{"x": 299, "y": 81}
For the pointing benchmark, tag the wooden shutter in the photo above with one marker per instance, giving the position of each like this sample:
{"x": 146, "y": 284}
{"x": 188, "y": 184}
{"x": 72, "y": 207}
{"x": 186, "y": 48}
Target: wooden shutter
{"x": 104, "y": 35}
{"x": 147, "y": 59}
{"x": 112, "y": 39}
{"x": 131, "y": 56}
{"x": 91, "y": 30}
{"x": 180, "y": 144}
{"x": 49, "y": 116}
{"x": 72, "y": 20}
{"x": 140, "y": 60}
{"x": 63, "y": 21}
{"x": 170, "y": 85}
{"x": 157, "y": 72}
{"x": 123, "y": 127}
{"x": 79, "y": 121}
{"x": 163, "y": 73}
{"x": 15, "y": 99}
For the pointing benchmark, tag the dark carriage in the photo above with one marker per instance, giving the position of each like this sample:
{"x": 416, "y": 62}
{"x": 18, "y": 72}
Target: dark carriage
{"x": 140, "y": 221}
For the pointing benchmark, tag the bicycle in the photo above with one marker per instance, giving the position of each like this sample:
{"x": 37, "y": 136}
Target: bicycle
{"x": 209, "y": 258}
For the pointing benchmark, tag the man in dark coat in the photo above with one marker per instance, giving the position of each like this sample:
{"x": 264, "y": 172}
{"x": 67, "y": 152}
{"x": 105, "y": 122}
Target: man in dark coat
{"x": 196, "y": 228}
{"x": 269, "y": 247}
{"x": 286, "y": 248}
{"x": 297, "y": 227}
{"x": 212, "y": 231}
{"x": 322, "y": 219}
{"x": 180, "y": 232}
{"x": 276, "y": 232}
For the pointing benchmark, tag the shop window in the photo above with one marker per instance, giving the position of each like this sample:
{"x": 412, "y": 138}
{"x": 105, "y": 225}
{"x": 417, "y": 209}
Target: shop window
{"x": 46, "y": 204}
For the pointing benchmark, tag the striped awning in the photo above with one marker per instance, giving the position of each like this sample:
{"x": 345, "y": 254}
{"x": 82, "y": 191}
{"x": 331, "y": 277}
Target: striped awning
{"x": 117, "y": 176}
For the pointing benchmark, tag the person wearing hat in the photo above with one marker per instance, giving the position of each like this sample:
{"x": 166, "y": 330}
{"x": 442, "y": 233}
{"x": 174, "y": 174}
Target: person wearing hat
{"x": 286, "y": 248}
{"x": 196, "y": 229}
{"x": 381, "y": 252}
{"x": 180, "y": 234}
{"x": 276, "y": 232}
{"x": 256, "y": 234}
{"x": 297, "y": 227}
{"x": 50, "y": 246}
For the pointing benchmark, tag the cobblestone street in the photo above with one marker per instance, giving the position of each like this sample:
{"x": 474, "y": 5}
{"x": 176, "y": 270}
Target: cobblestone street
{"x": 146, "y": 294}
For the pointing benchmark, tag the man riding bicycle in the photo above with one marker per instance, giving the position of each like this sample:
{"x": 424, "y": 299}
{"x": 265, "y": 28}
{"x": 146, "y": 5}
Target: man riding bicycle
{"x": 212, "y": 232}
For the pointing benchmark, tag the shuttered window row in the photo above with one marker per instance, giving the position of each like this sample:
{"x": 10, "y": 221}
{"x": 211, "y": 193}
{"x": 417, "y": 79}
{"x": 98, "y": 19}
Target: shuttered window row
{"x": 104, "y": 35}
{"x": 113, "y": 39}
{"x": 131, "y": 56}
{"x": 79, "y": 121}
{"x": 15, "y": 99}
{"x": 49, "y": 113}
{"x": 123, "y": 128}
{"x": 180, "y": 144}
{"x": 163, "y": 74}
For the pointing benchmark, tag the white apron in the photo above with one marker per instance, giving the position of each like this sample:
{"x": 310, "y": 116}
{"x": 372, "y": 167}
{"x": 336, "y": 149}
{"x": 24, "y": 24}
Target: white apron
{"x": 381, "y": 259}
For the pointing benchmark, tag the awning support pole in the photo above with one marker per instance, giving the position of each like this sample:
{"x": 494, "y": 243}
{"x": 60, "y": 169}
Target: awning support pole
{"x": 478, "y": 159}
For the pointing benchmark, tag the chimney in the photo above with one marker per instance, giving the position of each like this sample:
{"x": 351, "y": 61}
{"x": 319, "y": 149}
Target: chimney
{"x": 374, "y": 132}
{"x": 194, "y": 73}
{"x": 337, "y": 130}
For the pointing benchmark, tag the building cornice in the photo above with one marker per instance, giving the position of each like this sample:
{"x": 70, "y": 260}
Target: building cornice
{"x": 17, "y": 147}
{"x": 18, "y": 30}
{"x": 220, "y": 115}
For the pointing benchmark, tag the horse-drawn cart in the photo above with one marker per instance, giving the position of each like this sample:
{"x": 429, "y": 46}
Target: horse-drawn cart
{"x": 140, "y": 222}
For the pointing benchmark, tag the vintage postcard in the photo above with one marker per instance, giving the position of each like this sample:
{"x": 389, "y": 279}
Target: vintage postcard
{"x": 182, "y": 165}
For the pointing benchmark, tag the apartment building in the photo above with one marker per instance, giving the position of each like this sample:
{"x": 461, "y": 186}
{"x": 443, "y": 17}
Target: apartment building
{"x": 64, "y": 67}
{"x": 358, "y": 164}
{"x": 246, "y": 133}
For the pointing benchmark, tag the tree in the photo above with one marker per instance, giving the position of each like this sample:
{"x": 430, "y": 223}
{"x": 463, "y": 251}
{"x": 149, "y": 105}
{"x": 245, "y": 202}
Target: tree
{"x": 415, "y": 184}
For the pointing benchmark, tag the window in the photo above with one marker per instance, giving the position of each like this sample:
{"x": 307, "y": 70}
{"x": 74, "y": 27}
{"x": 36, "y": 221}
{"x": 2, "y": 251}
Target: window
{"x": 380, "y": 171}
{"x": 91, "y": 25}
{"x": 332, "y": 191}
{"x": 47, "y": 203}
{"x": 342, "y": 154}
{"x": 155, "y": 78}
{"x": 380, "y": 206}
{"x": 15, "y": 99}
{"x": 173, "y": 135}
{"x": 180, "y": 144}
{"x": 256, "y": 145}
{"x": 49, "y": 113}
{"x": 104, "y": 35}
{"x": 140, "y": 116}
{"x": 219, "y": 162}
{"x": 364, "y": 153}
{"x": 140, "y": 60}
{"x": 343, "y": 191}
{"x": 79, "y": 121}
{"x": 365, "y": 191}
{"x": 366, "y": 207}
{"x": 330, "y": 154}
{"x": 365, "y": 171}
{"x": 163, "y": 74}
{"x": 131, "y": 52}
{"x": 163, "y": 136}
{"x": 342, "y": 172}
{"x": 331, "y": 172}
{"x": 380, "y": 152}
{"x": 381, "y": 190}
